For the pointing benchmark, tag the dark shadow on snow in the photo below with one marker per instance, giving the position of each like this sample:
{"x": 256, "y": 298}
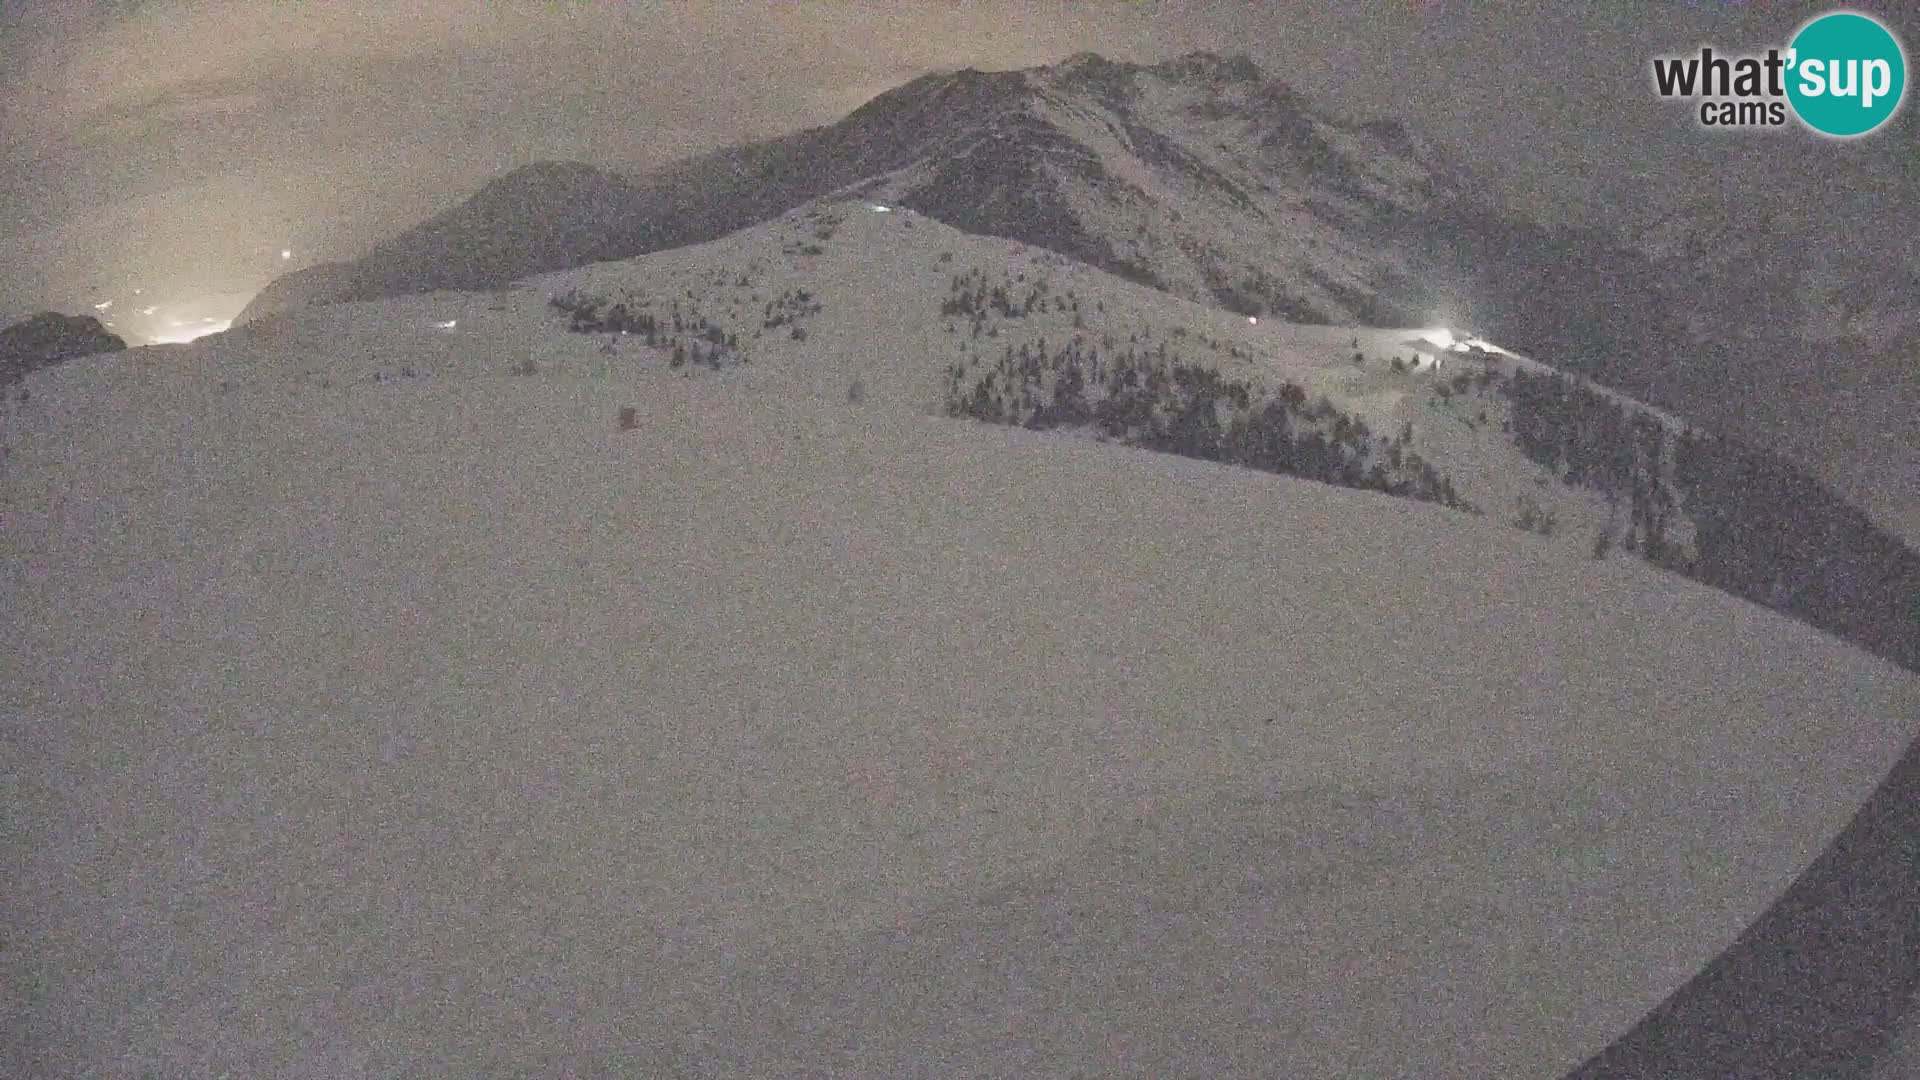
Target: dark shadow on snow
{"x": 1818, "y": 985}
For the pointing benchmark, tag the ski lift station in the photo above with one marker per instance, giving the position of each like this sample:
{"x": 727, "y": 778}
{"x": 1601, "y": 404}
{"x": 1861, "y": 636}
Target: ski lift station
{"x": 1431, "y": 347}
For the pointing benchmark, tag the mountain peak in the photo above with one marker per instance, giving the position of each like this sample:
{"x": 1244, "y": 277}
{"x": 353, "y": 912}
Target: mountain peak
{"x": 1085, "y": 60}
{"x": 555, "y": 169}
{"x": 1194, "y": 174}
{"x": 1201, "y": 65}
{"x": 966, "y": 92}
{"x": 552, "y": 175}
{"x": 1211, "y": 66}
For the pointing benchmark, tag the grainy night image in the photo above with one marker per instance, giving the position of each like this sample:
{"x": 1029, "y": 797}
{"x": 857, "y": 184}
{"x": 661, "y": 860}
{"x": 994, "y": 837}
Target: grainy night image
{"x": 934, "y": 539}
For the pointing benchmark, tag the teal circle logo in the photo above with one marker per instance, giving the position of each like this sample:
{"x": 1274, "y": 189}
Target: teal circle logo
{"x": 1847, "y": 74}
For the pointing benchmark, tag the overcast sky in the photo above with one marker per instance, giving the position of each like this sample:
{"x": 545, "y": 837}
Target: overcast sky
{"x": 180, "y": 146}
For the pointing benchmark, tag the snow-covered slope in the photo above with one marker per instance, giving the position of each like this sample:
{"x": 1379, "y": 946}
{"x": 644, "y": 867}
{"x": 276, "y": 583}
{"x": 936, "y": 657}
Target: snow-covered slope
{"x": 885, "y": 296}
{"x": 1902, "y": 1058}
{"x": 882, "y": 288}
{"x": 377, "y": 705}
{"x": 50, "y": 338}
{"x": 928, "y": 317}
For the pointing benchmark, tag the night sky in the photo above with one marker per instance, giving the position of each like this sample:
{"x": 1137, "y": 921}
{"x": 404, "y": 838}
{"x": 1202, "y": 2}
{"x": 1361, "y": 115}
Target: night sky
{"x": 180, "y": 148}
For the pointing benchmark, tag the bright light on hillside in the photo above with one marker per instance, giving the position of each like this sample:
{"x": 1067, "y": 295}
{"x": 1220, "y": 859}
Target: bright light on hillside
{"x": 180, "y": 333}
{"x": 1445, "y": 339}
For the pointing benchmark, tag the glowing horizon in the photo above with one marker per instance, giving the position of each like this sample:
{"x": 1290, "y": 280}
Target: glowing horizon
{"x": 182, "y": 334}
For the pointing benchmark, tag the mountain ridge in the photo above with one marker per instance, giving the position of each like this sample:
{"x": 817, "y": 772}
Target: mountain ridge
{"x": 1199, "y": 176}
{"x": 51, "y": 338}
{"x": 935, "y": 319}
{"x": 958, "y": 127}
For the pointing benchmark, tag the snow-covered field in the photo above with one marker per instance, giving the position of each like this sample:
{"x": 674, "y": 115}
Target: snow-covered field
{"x": 1902, "y": 1058}
{"x": 433, "y": 726}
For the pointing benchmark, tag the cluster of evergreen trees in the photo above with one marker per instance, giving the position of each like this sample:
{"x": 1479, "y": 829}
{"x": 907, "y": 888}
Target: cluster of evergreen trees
{"x": 691, "y": 337}
{"x": 1591, "y": 440}
{"x": 1156, "y": 401}
{"x": 1771, "y": 533}
{"x": 1763, "y": 529}
{"x": 823, "y": 225}
{"x": 788, "y": 309}
{"x": 969, "y": 295}
{"x": 1255, "y": 292}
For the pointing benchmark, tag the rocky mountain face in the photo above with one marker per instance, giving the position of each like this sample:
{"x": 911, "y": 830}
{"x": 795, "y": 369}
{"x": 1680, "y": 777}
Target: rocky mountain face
{"x": 1758, "y": 267}
{"x": 51, "y": 338}
{"x": 1198, "y": 176}
{"x": 1778, "y": 314}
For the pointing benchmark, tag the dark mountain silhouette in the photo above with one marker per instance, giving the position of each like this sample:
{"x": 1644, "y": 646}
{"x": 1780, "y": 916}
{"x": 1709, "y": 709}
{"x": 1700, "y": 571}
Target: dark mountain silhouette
{"x": 51, "y": 338}
{"x": 1197, "y": 175}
